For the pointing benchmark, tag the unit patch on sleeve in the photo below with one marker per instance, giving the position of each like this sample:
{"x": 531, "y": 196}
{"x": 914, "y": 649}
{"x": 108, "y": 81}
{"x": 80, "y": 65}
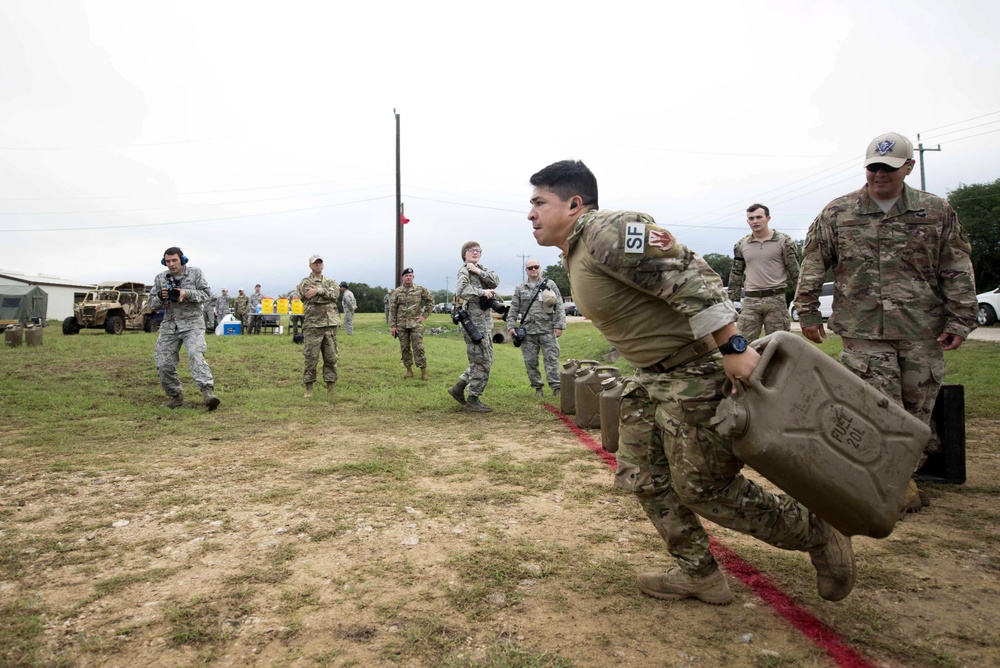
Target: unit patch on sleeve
{"x": 661, "y": 239}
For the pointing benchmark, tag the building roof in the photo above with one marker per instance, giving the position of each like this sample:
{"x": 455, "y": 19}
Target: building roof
{"x": 40, "y": 279}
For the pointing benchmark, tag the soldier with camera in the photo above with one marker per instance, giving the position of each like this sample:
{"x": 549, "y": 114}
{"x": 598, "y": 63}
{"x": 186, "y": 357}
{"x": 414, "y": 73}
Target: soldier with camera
{"x": 409, "y": 306}
{"x": 474, "y": 290}
{"x": 539, "y": 305}
{"x": 182, "y": 292}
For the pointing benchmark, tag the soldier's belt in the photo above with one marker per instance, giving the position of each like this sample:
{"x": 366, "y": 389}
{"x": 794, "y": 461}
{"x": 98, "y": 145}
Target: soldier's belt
{"x": 766, "y": 293}
{"x": 691, "y": 351}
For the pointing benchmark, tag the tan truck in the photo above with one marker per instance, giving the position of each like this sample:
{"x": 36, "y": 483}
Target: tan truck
{"x": 114, "y": 307}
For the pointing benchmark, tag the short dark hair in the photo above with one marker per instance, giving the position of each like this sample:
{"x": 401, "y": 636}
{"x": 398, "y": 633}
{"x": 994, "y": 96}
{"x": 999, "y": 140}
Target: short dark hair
{"x": 754, "y": 207}
{"x": 567, "y": 178}
{"x": 173, "y": 250}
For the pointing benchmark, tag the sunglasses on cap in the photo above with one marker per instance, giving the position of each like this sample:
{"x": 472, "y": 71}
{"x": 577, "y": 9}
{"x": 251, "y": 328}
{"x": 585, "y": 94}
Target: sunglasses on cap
{"x": 534, "y": 266}
{"x": 881, "y": 167}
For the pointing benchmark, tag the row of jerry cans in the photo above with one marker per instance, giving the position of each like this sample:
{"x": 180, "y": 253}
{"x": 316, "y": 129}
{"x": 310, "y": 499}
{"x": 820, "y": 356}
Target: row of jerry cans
{"x": 591, "y": 392}
{"x": 15, "y": 334}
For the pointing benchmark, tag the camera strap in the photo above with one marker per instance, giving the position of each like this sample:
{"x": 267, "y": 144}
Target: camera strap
{"x": 524, "y": 314}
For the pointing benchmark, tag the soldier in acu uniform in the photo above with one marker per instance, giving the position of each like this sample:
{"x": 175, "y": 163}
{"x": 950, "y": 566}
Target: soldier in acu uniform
{"x": 475, "y": 281}
{"x": 319, "y": 325}
{"x": 539, "y": 306}
{"x": 221, "y": 306}
{"x": 409, "y": 306}
{"x": 182, "y": 292}
{"x": 256, "y": 299}
{"x": 903, "y": 286}
{"x": 666, "y": 312}
{"x": 350, "y": 305}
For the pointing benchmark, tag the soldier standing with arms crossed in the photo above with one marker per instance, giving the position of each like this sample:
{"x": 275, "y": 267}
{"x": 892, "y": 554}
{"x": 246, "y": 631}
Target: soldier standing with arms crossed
{"x": 770, "y": 261}
{"x": 903, "y": 286}
{"x": 539, "y": 305}
{"x": 320, "y": 320}
{"x": 406, "y": 321}
{"x": 666, "y": 311}
{"x": 181, "y": 291}
{"x": 475, "y": 281}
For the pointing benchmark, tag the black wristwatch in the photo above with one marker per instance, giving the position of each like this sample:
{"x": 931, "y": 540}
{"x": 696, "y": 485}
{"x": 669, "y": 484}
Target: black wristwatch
{"x": 736, "y": 344}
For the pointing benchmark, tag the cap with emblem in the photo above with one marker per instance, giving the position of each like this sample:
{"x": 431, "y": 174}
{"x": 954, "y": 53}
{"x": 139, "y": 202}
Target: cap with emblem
{"x": 313, "y": 258}
{"x": 408, "y": 270}
{"x": 891, "y": 149}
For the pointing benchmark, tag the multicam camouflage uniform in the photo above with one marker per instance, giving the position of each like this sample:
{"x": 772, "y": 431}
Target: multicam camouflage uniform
{"x": 526, "y": 306}
{"x": 768, "y": 308}
{"x": 350, "y": 306}
{"x": 256, "y": 298}
{"x": 404, "y": 309}
{"x": 469, "y": 287}
{"x": 900, "y": 280}
{"x": 183, "y": 323}
{"x": 241, "y": 308}
{"x": 650, "y": 296}
{"x": 319, "y": 327}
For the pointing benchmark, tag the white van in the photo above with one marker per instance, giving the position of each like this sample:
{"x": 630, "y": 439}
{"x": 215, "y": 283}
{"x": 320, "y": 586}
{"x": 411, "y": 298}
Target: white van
{"x": 825, "y": 303}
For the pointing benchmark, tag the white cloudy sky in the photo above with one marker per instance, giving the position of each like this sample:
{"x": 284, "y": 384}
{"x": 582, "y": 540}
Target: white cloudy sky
{"x": 253, "y": 134}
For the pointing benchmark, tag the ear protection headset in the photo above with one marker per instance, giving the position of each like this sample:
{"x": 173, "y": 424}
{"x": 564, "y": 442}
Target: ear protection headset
{"x": 184, "y": 259}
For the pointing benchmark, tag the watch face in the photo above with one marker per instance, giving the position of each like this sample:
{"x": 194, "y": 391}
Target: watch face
{"x": 738, "y": 343}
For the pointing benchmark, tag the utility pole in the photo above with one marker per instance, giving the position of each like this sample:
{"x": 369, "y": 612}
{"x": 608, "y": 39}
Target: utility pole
{"x": 524, "y": 259}
{"x": 447, "y": 295}
{"x": 920, "y": 147}
{"x": 399, "y": 210}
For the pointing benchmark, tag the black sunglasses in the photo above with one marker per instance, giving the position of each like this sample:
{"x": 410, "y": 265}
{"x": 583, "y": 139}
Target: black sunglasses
{"x": 534, "y": 266}
{"x": 881, "y": 167}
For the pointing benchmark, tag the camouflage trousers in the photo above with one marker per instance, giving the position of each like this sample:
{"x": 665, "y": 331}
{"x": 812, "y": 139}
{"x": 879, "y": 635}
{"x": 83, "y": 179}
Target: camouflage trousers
{"x": 411, "y": 344}
{"x": 771, "y": 313}
{"x": 167, "y": 354}
{"x": 243, "y": 319}
{"x": 480, "y": 361}
{"x": 348, "y": 323}
{"x": 317, "y": 340}
{"x": 549, "y": 346}
{"x": 679, "y": 467}
{"x": 908, "y": 372}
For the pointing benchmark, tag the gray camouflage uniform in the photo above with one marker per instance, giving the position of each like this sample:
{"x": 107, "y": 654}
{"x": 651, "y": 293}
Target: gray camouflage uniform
{"x": 900, "y": 280}
{"x": 650, "y": 296}
{"x": 539, "y": 326}
{"x": 320, "y": 320}
{"x": 468, "y": 289}
{"x": 404, "y": 309}
{"x": 183, "y": 323}
{"x": 221, "y": 307}
{"x": 255, "y": 318}
{"x": 350, "y": 306}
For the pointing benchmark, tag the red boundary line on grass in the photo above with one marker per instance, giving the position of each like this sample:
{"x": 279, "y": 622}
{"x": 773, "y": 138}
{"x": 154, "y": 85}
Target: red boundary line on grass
{"x": 819, "y": 633}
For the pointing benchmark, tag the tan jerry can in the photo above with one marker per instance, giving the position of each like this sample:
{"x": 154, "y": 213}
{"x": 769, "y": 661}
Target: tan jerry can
{"x": 33, "y": 335}
{"x": 824, "y": 436}
{"x": 587, "y": 385}
{"x": 567, "y": 395}
{"x": 609, "y": 399}
{"x": 13, "y": 336}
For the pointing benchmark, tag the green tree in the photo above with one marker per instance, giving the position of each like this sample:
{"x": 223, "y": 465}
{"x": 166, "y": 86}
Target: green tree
{"x": 370, "y": 299}
{"x": 720, "y": 264}
{"x": 978, "y": 207}
{"x": 557, "y": 274}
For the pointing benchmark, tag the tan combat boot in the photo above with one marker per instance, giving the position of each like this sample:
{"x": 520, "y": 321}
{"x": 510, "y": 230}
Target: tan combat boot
{"x": 675, "y": 584}
{"x": 423, "y": 374}
{"x": 309, "y": 391}
{"x": 409, "y": 372}
{"x": 834, "y": 563}
{"x": 175, "y": 401}
{"x": 329, "y": 386}
{"x": 211, "y": 401}
{"x": 914, "y": 499}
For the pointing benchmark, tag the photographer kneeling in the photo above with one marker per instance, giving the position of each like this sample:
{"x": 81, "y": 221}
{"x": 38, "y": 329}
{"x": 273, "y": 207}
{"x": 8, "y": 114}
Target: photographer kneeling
{"x": 539, "y": 305}
{"x": 475, "y": 281}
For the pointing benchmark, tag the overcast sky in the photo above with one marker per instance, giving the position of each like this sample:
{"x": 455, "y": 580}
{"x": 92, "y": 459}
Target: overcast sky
{"x": 254, "y": 134}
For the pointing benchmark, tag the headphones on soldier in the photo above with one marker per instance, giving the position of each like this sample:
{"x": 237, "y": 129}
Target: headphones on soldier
{"x": 174, "y": 250}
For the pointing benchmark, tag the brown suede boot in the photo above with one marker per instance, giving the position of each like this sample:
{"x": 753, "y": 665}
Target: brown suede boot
{"x": 409, "y": 372}
{"x": 423, "y": 374}
{"x": 834, "y": 563}
{"x": 457, "y": 391}
{"x": 211, "y": 401}
{"x": 675, "y": 584}
{"x": 309, "y": 391}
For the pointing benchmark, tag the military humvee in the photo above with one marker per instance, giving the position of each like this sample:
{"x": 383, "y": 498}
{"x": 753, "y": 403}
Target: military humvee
{"x": 114, "y": 307}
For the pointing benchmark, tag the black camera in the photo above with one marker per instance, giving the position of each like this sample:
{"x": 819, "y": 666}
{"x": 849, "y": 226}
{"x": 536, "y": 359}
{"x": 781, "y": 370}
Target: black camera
{"x": 462, "y": 316}
{"x": 493, "y": 303}
{"x": 519, "y": 336}
{"x": 173, "y": 292}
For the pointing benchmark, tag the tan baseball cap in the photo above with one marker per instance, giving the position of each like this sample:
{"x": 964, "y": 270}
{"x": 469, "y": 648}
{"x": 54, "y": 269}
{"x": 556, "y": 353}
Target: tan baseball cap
{"x": 313, "y": 258}
{"x": 892, "y": 149}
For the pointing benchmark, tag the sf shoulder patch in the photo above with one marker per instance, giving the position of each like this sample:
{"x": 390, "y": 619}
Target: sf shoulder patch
{"x": 635, "y": 238}
{"x": 660, "y": 238}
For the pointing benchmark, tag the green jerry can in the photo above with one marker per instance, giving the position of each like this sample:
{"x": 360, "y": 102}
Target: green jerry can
{"x": 609, "y": 399}
{"x": 567, "y": 395}
{"x": 587, "y": 385}
{"x": 824, "y": 436}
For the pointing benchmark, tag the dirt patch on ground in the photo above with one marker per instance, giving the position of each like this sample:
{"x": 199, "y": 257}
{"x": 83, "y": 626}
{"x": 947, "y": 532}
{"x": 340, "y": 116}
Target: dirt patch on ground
{"x": 508, "y": 547}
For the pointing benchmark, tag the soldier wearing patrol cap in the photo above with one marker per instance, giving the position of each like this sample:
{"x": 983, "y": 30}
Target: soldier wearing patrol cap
{"x": 409, "y": 306}
{"x": 320, "y": 320}
{"x": 903, "y": 286}
{"x": 667, "y": 313}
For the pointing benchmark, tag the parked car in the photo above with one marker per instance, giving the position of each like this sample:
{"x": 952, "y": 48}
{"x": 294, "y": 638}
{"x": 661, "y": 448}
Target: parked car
{"x": 570, "y": 308}
{"x": 443, "y": 307}
{"x": 825, "y": 303}
{"x": 989, "y": 307}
